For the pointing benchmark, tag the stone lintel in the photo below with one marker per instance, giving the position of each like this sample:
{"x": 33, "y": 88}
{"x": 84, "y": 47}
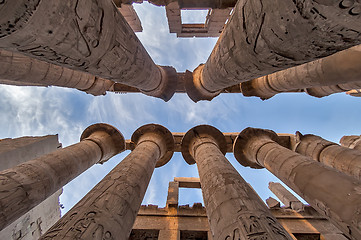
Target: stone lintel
{"x": 201, "y": 132}
{"x": 160, "y": 136}
{"x": 183, "y": 210}
{"x": 188, "y": 182}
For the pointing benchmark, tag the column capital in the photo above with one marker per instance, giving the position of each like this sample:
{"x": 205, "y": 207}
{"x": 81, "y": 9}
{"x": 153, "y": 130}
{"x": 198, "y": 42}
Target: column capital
{"x": 249, "y": 140}
{"x": 107, "y": 137}
{"x": 201, "y": 131}
{"x": 350, "y": 141}
{"x": 167, "y": 86}
{"x": 194, "y": 88}
{"x": 311, "y": 145}
{"x": 154, "y": 133}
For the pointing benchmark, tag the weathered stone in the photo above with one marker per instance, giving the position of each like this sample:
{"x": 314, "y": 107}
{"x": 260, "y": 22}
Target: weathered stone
{"x": 17, "y": 69}
{"x": 173, "y": 193}
{"x": 108, "y": 211}
{"x": 333, "y": 194}
{"x": 35, "y": 222}
{"x": 169, "y": 235}
{"x": 353, "y": 142}
{"x": 341, "y": 68}
{"x": 354, "y": 92}
{"x": 28, "y": 184}
{"x": 18, "y": 150}
{"x": 188, "y": 182}
{"x": 87, "y": 36}
{"x": 331, "y": 154}
{"x": 287, "y": 198}
{"x": 324, "y": 91}
{"x": 234, "y": 210}
{"x": 273, "y": 203}
{"x": 264, "y": 37}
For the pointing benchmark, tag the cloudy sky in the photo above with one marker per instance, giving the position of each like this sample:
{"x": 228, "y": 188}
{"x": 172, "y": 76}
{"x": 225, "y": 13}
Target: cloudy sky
{"x": 34, "y": 111}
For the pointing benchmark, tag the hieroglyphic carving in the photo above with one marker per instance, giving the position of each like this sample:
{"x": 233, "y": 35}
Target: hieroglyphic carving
{"x": 257, "y": 227}
{"x": 234, "y": 210}
{"x": 84, "y": 37}
{"x": 256, "y": 41}
{"x": 14, "y": 17}
{"x": 90, "y": 36}
{"x": 144, "y": 234}
{"x": 108, "y": 211}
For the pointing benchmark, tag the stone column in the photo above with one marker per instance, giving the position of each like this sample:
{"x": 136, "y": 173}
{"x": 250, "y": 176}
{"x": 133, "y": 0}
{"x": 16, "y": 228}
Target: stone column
{"x": 331, "y": 154}
{"x": 234, "y": 209}
{"x": 109, "y": 210}
{"x": 264, "y": 37}
{"x": 338, "y": 69}
{"x": 20, "y": 70}
{"x": 353, "y": 142}
{"x": 90, "y": 36}
{"x": 28, "y": 184}
{"x": 333, "y": 194}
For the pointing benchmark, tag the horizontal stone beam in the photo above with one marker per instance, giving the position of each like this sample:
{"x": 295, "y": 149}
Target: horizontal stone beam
{"x": 286, "y": 140}
{"x": 188, "y": 182}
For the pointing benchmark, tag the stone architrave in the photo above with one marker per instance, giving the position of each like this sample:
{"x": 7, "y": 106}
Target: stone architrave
{"x": 329, "y": 153}
{"x": 234, "y": 209}
{"x": 28, "y": 184}
{"x": 109, "y": 210}
{"x": 89, "y": 36}
{"x": 264, "y": 37}
{"x": 342, "y": 69}
{"x": 353, "y": 142}
{"x": 332, "y": 193}
{"x": 20, "y": 70}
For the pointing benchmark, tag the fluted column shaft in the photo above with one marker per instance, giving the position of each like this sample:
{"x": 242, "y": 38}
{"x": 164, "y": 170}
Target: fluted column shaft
{"x": 263, "y": 37}
{"x": 234, "y": 210}
{"x": 342, "y": 69}
{"x": 331, "y": 154}
{"x": 90, "y": 36}
{"x": 353, "y": 142}
{"x": 331, "y": 193}
{"x": 28, "y": 184}
{"x": 17, "y": 69}
{"x": 109, "y": 210}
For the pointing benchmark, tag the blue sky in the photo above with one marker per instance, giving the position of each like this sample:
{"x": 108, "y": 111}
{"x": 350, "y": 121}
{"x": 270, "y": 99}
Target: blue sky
{"x": 36, "y": 111}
